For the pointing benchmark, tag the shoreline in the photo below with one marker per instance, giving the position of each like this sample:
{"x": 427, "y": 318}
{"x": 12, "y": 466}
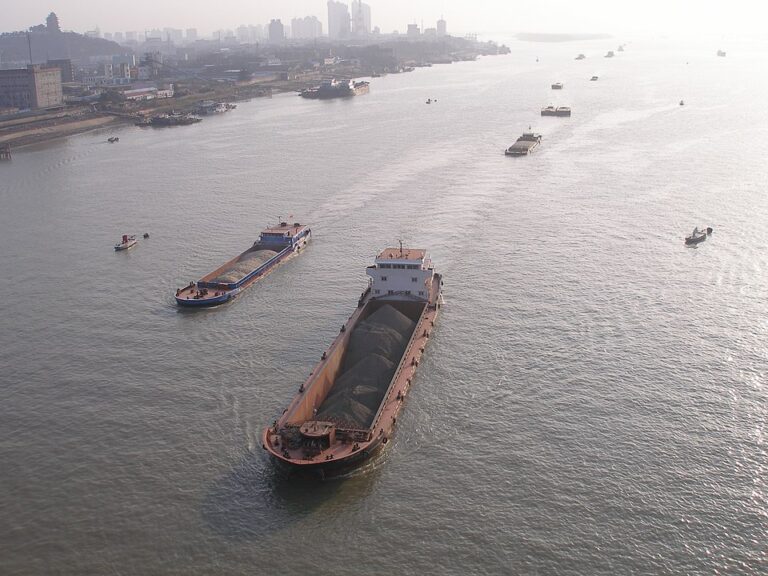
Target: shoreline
{"x": 18, "y": 133}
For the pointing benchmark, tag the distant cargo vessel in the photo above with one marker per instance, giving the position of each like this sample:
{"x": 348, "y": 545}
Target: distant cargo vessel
{"x": 559, "y": 111}
{"x": 524, "y": 145}
{"x": 347, "y": 409}
{"x": 336, "y": 89}
{"x": 274, "y": 245}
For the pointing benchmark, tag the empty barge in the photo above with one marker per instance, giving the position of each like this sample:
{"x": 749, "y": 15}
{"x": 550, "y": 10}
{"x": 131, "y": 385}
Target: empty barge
{"x": 274, "y": 245}
{"x": 347, "y": 409}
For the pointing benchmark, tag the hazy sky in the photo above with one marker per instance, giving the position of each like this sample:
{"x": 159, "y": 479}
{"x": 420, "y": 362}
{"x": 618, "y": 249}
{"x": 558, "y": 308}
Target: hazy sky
{"x": 481, "y": 16}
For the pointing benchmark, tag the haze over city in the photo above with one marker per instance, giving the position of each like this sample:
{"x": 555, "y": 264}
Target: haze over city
{"x": 681, "y": 17}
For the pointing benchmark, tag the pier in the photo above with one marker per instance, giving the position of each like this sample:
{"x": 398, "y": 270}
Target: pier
{"x": 5, "y": 151}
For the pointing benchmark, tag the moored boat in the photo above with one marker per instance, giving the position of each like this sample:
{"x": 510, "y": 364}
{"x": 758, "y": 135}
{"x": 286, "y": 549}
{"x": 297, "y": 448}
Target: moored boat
{"x": 347, "y": 409}
{"x": 332, "y": 88}
{"x": 126, "y": 242}
{"x": 275, "y": 244}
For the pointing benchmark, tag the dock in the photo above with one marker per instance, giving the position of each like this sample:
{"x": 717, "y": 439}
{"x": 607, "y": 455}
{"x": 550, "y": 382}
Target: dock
{"x": 5, "y": 151}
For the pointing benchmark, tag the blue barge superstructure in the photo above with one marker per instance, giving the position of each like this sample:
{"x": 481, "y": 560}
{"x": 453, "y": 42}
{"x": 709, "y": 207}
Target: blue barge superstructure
{"x": 275, "y": 245}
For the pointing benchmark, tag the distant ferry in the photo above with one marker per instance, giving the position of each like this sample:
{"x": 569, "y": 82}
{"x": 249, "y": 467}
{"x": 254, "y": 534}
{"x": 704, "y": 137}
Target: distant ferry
{"x": 609, "y": 54}
{"x": 721, "y": 53}
{"x": 274, "y": 245}
{"x": 557, "y": 86}
{"x": 559, "y": 111}
{"x": 593, "y": 79}
{"x": 580, "y": 57}
{"x": 524, "y": 145}
{"x": 336, "y": 89}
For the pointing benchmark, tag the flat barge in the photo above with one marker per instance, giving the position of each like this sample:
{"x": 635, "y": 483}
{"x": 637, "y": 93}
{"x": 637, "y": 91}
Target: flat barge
{"x": 347, "y": 409}
{"x": 524, "y": 145}
{"x": 275, "y": 245}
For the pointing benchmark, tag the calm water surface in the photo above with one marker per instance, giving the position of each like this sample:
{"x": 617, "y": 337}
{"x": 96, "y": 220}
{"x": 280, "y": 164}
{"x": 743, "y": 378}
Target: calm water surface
{"x": 594, "y": 399}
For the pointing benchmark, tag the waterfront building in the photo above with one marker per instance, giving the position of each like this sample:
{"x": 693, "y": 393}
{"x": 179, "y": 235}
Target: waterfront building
{"x": 441, "y": 28}
{"x": 361, "y": 18}
{"x": 276, "y": 31}
{"x": 338, "y": 20}
{"x": 66, "y": 67}
{"x": 35, "y": 86}
{"x": 413, "y": 31}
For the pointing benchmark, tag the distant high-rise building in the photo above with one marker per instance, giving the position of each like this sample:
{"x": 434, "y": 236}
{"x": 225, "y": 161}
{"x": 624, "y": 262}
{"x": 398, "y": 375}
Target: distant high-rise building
{"x": 107, "y": 35}
{"x": 173, "y": 35}
{"x": 130, "y": 36}
{"x": 413, "y": 31}
{"x": 276, "y": 31}
{"x": 338, "y": 20}
{"x": 430, "y": 33}
{"x": 95, "y": 33}
{"x": 306, "y": 28}
{"x": 361, "y": 18}
{"x": 243, "y": 35}
{"x": 119, "y": 37}
{"x": 191, "y": 35}
{"x": 441, "y": 29}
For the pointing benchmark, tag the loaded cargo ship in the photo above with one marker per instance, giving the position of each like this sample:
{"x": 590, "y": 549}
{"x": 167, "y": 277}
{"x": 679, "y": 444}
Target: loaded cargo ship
{"x": 347, "y": 409}
{"x": 274, "y": 246}
{"x": 336, "y": 89}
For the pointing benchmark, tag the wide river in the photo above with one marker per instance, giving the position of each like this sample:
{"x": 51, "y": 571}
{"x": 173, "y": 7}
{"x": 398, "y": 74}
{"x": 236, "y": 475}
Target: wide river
{"x": 594, "y": 398}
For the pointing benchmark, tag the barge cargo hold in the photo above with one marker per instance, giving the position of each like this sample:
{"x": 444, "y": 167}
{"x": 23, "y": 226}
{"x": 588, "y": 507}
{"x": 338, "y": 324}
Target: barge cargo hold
{"x": 274, "y": 246}
{"x": 347, "y": 409}
{"x": 524, "y": 145}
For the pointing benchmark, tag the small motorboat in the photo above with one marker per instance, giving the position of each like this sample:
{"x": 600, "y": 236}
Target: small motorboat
{"x": 126, "y": 243}
{"x": 113, "y": 139}
{"x": 146, "y": 234}
{"x": 429, "y": 101}
{"x": 593, "y": 79}
{"x": 682, "y": 103}
{"x": 698, "y": 236}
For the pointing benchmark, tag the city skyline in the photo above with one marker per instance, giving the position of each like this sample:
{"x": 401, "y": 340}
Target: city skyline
{"x": 684, "y": 17}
